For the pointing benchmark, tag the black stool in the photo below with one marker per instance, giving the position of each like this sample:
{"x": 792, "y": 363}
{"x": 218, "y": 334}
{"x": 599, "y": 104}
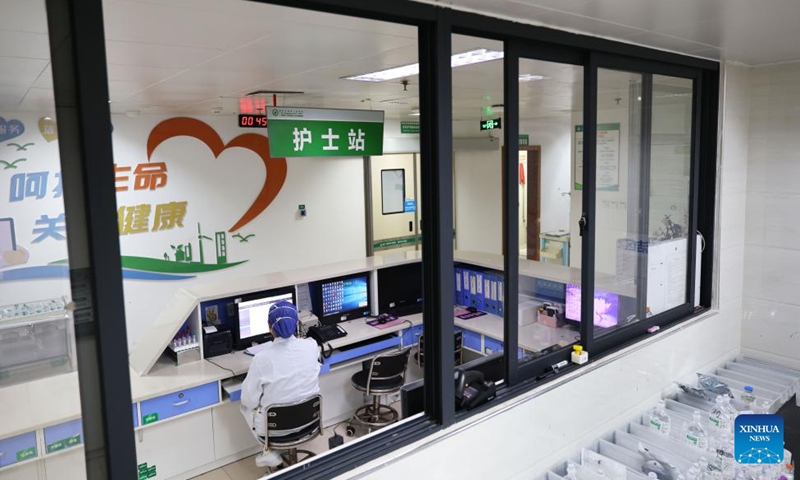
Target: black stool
{"x": 290, "y": 425}
{"x": 383, "y": 375}
{"x": 419, "y": 357}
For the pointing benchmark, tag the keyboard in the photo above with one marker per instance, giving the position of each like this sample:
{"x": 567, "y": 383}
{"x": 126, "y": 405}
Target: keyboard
{"x": 326, "y": 333}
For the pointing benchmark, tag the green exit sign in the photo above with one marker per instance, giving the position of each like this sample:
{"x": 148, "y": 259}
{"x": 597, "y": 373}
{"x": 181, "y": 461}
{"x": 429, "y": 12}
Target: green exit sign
{"x": 491, "y": 124}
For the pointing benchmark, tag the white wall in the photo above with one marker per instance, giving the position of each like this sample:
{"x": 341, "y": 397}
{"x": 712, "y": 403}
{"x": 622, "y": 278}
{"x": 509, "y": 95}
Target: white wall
{"x": 218, "y": 191}
{"x": 478, "y": 182}
{"x": 521, "y": 439}
{"x": 771, "y": 250}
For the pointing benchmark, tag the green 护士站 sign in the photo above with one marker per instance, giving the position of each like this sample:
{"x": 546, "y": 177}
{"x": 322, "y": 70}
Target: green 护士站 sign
{"x": 315, "y": 132}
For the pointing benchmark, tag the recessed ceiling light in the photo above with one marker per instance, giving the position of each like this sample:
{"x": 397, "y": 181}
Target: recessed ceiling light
{"x": 414, "y": 113}
{"x": 458, "y": 60}
{"x": 527, "y": 77}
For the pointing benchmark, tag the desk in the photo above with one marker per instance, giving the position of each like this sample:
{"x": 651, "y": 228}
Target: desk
{"x": 532, "y": 337}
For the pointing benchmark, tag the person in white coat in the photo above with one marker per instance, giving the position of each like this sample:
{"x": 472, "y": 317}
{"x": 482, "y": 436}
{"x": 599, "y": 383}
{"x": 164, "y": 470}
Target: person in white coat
{"x": 286, "y": 371}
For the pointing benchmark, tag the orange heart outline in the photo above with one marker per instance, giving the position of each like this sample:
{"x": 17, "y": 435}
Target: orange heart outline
{"x": 259, "y": 144}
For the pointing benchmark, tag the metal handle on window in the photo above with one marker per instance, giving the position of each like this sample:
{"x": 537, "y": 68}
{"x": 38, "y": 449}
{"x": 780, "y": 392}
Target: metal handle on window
{"x": 180, "y": 404}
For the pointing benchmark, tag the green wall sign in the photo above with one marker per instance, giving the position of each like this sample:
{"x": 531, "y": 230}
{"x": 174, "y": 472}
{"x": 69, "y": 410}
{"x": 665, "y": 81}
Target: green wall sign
{"x": 315, "y": 132}
{"x": 409, "y": 127}
{"x": 524, "y": 140}
{"x": 64, "y": 443}
{"x": 146, "y": 471}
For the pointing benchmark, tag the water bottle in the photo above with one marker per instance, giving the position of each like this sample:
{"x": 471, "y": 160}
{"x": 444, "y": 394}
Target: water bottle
{"x": 652, "y": 475}
{"x": 732, "y": 412}
{"x": 571, "y": 472}
{"x": 696, "y": 435}
{"x": 659, "y": 418}
{"x": 762, "y": 407}
{"x": 724, "y": 455}
{"x": 748, "y": 397}
{"x": 719, "y": 417}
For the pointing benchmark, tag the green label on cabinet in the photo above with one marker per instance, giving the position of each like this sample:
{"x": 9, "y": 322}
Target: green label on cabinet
{"x": 26, "y": 454}
{"x": 146, "y": 471}
{"x": 64, "y": 443}
{"x": 153, "y": 417}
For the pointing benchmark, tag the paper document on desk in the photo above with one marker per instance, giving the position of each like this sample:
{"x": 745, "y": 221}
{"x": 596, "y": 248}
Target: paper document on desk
{"x": 255, "y": 350}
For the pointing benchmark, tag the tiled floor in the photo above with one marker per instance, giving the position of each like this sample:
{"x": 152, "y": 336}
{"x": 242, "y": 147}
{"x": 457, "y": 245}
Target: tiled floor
{"x": 245, "y": 469}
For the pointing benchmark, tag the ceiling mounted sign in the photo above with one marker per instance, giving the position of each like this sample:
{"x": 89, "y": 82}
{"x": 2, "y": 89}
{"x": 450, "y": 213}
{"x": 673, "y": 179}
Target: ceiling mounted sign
{"x": 316, "y": 132}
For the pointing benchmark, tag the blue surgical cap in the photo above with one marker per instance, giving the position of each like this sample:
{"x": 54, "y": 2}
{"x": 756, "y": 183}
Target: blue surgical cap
{"x": 283, "y": 318}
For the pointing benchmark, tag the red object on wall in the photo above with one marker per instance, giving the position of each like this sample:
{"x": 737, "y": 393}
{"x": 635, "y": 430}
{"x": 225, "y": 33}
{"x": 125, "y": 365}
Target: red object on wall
{"x": 521, "y": 174}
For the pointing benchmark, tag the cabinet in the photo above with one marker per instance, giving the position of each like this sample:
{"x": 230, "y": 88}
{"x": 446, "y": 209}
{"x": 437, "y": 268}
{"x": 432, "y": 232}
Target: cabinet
{"x": 177, "y": 403}
{"x": 66, "y": 466}
{"x": 177, "y": 446}
{"x": 231, "y": 433}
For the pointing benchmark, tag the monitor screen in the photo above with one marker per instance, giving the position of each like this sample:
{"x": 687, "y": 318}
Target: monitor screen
{"x": 254, "y": 314}
{"x": 606, "y": 306}
{"x": 344, "y": 295}
{"x": 400, "y": 289}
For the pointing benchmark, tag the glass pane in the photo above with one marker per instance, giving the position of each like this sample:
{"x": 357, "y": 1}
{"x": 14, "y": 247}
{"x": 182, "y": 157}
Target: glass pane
{"x": 38, "y": 364}
{"x": 395, "y": 203}
{"x": 670, "y": 179}
{"x": 478, "y": 193}
{"x": 241, "y": 180}
{"x": 550, "y": 112}
{"x": 620, "y": 226}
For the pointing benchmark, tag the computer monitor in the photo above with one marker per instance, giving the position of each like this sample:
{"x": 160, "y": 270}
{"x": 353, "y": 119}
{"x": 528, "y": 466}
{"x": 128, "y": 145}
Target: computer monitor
{"x": 606, "y": 307}
{"x": 340, "y": 299}
{"x": 400, "y": 289}
{"x": 251, "y": 324}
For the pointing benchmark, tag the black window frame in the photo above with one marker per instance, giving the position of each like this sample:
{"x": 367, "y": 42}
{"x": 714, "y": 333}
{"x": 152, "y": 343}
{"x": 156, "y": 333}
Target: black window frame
{"x": 80, "y": 85}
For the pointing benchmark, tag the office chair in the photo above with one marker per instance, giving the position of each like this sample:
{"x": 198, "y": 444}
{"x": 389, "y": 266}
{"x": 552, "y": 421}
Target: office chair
{"x": 419, "y": 357}
{"x": 383, "y": 375}
{"x": 290, "y": 425}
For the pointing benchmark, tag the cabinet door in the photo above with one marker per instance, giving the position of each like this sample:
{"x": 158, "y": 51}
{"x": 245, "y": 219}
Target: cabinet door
{"x": 24, "y": 472}
{"x": 66, "y": 466}
{"x": 231, "y": 433}
{"x": 178, "y": 445}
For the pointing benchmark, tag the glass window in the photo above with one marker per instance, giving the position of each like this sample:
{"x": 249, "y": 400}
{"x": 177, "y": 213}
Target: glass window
{"x": 619, "y": 223}
{"x": 550, "y": 204}
{"x": 478, "y": 118}
{"x": 256, "y": 165}
{"x": 670, "y": 181}
{"x": 37, "y": 333}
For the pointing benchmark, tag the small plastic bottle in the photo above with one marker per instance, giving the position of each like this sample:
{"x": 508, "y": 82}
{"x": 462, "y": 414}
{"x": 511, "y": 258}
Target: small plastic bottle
{"x": 659, "y": 418}
{"x": 719, "y": 417}
{"x": 748, "y": 397}
{"x": 762, "y": 407}
{"x": 652, "y": 475}
{"x": 572, "y": 472}
{"x": 696, "y": 434}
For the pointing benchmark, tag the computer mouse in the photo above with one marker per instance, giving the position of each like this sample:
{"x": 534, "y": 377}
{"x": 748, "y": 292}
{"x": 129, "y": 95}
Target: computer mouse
{"x": 382, "y": 320}
{"x": 472, "y": 309}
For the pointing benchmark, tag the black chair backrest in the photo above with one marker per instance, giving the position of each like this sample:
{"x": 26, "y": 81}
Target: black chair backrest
{"x": 390, "y": 365}
{"x": 294, "y": 416}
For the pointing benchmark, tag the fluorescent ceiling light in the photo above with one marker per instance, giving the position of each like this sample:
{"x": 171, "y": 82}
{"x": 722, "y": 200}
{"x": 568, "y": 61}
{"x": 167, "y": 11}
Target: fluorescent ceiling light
{"x": 414, "y": 113}
{"x": 457, "y": 60}
{"x": 527, "y": 77}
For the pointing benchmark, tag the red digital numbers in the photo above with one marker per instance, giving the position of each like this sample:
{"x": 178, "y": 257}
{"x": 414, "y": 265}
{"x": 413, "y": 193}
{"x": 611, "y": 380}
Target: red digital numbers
{"x": 252, "y": 121}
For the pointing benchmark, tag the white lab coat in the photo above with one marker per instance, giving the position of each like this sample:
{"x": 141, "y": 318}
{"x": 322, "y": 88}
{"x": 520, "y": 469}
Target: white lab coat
{"x": 286, "y": 371}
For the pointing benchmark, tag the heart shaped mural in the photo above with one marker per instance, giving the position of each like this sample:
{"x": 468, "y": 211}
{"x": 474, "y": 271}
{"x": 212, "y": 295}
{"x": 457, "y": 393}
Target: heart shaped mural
{"x": 259, "y": 144}
{"x": 10, "y": 129}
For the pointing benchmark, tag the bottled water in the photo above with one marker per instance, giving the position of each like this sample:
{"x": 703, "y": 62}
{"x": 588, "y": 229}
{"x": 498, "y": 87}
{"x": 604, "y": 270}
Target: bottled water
{"x": 726, "y": 404}
{"x": 571, "y": 472}
{"x": 762, "y": 407}
{"x": 719, "y": 417}
{"x": 724, "y": 454}
{"x": 748, "y": 397}
{"x": 696, "y": 435}
{"x": 659, "y": 418}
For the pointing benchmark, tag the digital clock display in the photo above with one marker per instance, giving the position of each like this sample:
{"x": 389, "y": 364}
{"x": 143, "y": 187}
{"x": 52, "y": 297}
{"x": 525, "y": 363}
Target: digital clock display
{"x": 252, "y": 121}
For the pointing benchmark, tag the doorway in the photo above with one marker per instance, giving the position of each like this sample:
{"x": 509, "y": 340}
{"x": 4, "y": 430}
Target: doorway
{"x": 530, "y": 210}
